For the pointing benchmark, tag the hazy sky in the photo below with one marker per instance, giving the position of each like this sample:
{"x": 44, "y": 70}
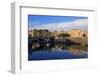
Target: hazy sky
{"x": 57, "y": 23}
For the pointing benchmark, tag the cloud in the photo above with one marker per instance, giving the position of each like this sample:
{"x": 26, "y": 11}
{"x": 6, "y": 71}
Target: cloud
{"x": 65, "y": 26}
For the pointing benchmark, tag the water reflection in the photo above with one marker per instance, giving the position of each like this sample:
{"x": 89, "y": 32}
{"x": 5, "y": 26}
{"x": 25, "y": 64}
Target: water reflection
{"x": 50, "y": 47}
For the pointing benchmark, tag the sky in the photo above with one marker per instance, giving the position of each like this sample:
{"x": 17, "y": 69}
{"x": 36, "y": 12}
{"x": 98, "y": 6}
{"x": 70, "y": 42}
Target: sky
{"x": 57, "y": 23}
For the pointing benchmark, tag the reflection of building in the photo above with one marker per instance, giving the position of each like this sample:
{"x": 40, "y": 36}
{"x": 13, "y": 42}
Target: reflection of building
{"x": 75, "y": 51}
{"x": 76, "y": 33}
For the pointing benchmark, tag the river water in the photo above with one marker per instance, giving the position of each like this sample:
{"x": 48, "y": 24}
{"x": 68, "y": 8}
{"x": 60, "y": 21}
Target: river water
{"x": 48, "y": 51}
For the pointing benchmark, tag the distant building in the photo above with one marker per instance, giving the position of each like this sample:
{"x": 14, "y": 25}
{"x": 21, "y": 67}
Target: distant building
{"x": 38, "y": 33}
{"x": 76, "y": 33}
{"x": 57, "y": 35}
{"x": 31, "y": 33}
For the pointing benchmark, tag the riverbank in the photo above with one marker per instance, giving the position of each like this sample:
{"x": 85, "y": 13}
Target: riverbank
{"x": 82, "y": 41}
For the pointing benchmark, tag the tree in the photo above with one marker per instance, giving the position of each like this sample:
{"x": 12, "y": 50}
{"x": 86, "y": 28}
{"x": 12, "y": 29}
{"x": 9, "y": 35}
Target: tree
{"x": 64, "y": 35}
{"x": 84, "y": 35}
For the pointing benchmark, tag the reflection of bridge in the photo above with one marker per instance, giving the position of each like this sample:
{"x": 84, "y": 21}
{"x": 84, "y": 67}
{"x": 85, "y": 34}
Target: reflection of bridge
{"x": 49, "y": 47}
{"x": 34, "y": 41}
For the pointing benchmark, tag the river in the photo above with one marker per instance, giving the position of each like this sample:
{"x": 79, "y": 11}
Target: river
{"x": 51, "y": 51}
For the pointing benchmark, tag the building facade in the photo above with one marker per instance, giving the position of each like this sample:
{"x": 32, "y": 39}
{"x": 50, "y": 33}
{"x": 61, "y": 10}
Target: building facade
{"x": 76, "y": 33}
